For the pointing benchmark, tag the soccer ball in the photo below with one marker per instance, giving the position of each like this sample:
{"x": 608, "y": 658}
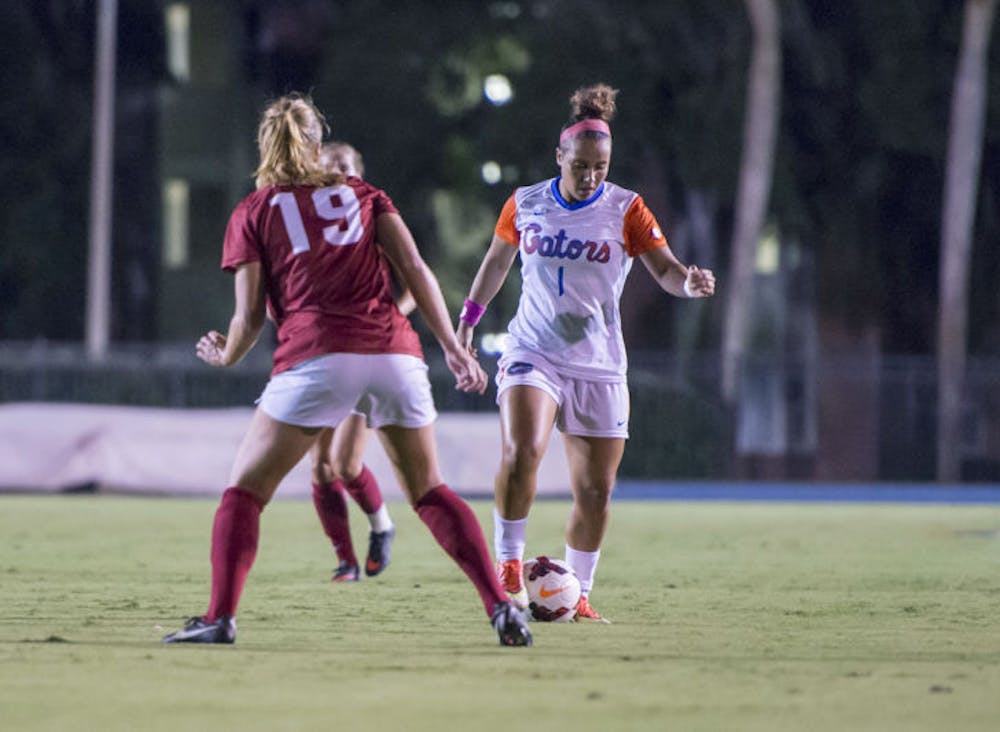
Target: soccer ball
{"x": 553, "y": 590}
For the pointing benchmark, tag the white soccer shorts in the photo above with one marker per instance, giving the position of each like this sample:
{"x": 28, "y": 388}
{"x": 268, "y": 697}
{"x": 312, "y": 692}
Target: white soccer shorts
{"x": 387, "y": 388}
{"x": 585, "y": 408}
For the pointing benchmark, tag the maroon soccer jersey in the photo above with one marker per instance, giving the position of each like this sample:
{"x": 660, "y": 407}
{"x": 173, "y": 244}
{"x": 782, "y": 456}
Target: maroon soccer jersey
{"x": 328, "y": 284}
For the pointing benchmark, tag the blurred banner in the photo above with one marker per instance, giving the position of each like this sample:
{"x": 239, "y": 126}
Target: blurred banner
{"x": 63, "y": 447}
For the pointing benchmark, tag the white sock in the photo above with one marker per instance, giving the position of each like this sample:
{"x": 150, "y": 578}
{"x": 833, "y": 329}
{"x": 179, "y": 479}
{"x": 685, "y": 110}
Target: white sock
{"x": 380, "y": 521}
{"x": 584, "y": 564}
{"x": 508, "y": 537}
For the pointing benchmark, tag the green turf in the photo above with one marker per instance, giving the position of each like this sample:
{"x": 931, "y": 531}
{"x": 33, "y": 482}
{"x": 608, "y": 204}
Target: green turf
{"x": 726, "y": 617}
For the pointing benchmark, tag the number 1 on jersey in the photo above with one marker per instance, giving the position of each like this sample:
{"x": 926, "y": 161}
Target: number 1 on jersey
{"x": 292, "y": 217}
{"x": 337, "y": 204}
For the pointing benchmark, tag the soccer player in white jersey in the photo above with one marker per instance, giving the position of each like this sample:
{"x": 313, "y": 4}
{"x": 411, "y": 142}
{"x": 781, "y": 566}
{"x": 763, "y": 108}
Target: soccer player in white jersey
{"x": 577, "y": 235}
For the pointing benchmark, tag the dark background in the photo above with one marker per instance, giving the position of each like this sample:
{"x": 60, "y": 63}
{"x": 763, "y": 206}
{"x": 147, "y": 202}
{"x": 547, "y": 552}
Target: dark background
{"x": 855, "y": 206}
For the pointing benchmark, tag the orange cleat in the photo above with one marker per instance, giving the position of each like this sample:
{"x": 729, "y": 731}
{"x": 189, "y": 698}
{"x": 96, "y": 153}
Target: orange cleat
{"x": 510, "y": 572}
{"x": 584, "y": 611}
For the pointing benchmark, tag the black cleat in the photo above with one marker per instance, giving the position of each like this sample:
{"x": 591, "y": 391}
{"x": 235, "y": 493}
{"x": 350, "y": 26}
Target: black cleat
{"x": 510, "y": 625}
{"x": 346, "y": 572}
{"x": 199, "y": 630}
{"x": 379, "y": 551}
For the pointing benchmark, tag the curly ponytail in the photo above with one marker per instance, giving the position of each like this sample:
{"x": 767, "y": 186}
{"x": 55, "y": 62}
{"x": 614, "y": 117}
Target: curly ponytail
{"x": 593, "y": 102}
{"x": 592, "y": 108}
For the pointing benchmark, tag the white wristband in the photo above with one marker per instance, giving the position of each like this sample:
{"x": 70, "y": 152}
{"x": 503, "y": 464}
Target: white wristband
{"x": 687, "y": 290}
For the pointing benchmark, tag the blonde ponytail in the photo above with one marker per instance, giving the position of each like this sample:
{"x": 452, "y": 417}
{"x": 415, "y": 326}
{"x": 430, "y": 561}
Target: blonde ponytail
{"x": 288, "y": 139}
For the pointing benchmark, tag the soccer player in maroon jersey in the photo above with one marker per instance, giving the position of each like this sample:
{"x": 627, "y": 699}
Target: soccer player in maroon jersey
{"x": 338, "y": 456}
{"x": 303, "y": 246}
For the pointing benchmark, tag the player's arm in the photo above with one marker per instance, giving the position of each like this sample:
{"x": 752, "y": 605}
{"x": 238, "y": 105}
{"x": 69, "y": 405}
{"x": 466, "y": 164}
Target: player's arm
{"x": 404, "y": 300}
{"x": 493, "y": 271}
{"x": 674, "y": 277}
{"x": 643, "y": 238}
{"x": 397, "y": 241}
{"x": 249, "y": 314}
{"x": 489, "y": 279}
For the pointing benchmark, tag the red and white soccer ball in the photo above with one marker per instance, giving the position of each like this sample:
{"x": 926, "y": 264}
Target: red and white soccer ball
{"x": 553, "y": 589}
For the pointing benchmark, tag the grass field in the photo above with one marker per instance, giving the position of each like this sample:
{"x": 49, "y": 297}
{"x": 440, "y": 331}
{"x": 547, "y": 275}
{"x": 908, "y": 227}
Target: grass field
{"x": 726, "y": 617}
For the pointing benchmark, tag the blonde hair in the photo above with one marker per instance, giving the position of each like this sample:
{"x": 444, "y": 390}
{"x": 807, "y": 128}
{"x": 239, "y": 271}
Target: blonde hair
{"x": 288, "y": 139}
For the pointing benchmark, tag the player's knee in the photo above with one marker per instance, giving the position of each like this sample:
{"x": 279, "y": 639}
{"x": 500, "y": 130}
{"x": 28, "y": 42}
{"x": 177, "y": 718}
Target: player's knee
{"x": 346, "y": 467}
{"x": 322, "y": 472}
{"x": 523, "y": 457}
{"x": 262, "y": 489}
{"x": 594, "y": 493}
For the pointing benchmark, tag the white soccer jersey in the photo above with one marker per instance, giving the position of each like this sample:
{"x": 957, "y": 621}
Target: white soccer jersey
{"x": 574, "y": 261}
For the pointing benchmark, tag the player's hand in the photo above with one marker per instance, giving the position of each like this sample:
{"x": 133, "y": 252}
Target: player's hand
{"x": 699, "y": 282}
{"x": 211, "y": 348}
{"x": 469, "y": 375}
{"x": 464, "y": 335}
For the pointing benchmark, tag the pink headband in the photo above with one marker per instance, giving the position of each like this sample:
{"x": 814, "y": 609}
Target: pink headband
{"x": 585, "y": 125}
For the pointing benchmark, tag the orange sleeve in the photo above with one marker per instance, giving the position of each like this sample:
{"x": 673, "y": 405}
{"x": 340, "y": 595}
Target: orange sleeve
{"x": 641, "y": 232}
{"x": 505, "y": 227}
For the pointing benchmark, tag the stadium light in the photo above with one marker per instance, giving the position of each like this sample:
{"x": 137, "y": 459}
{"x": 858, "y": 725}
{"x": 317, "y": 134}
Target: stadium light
{"x": 491, "y": 172}
{"x": 497, "y": 89}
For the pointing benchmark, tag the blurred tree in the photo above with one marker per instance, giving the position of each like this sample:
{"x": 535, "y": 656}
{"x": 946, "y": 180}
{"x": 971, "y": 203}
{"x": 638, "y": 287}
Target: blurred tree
{"x": 965, "y": 140}
{"x": 286, "y": 43}
{"x": 136, "y": 231}
{"x": 44, "y": 125}
{"x": 861, "y": 161}
{"x": 763, "y": 99}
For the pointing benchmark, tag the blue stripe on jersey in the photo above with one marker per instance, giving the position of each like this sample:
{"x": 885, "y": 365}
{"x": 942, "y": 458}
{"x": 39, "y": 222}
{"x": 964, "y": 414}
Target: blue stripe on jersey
{"x": 579, "y": 204}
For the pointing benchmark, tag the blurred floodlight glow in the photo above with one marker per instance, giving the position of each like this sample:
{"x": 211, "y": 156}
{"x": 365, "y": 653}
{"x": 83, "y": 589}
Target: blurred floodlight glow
{"x": 493, "y": 344}
{"x": 491, "y": 172}
{"x": 178, "y": 19}
{"x": 768, "y": 255}
{"x": 176, "y": 218}
{"x": 497, "y": 89}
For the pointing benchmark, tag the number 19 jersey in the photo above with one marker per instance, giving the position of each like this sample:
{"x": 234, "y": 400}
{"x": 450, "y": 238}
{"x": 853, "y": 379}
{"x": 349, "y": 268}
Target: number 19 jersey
{"x": 574, "y": 261}
{"x": 328, "y": 284}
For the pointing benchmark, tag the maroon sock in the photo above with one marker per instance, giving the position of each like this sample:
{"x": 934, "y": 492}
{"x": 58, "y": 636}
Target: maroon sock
{"x": 331, "y": 507}
{"x": 234, "y": 547}
{"x": 364, "y": 490}
{"x": 456, "y": 529}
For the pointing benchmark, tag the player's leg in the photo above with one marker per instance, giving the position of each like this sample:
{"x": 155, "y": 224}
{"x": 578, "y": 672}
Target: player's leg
{"x": 413, "y": 453}
{"x": 594, "y": 421}
{"x": 270, "y": 449}
{"x": 347, "y": 459}
{"x": 401, "y": 407}
{"x": 593, "y": 465}
{"x": 316, "y": 392}
{"x": 331, "y": 505}
{"x": 527, "y": 415}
